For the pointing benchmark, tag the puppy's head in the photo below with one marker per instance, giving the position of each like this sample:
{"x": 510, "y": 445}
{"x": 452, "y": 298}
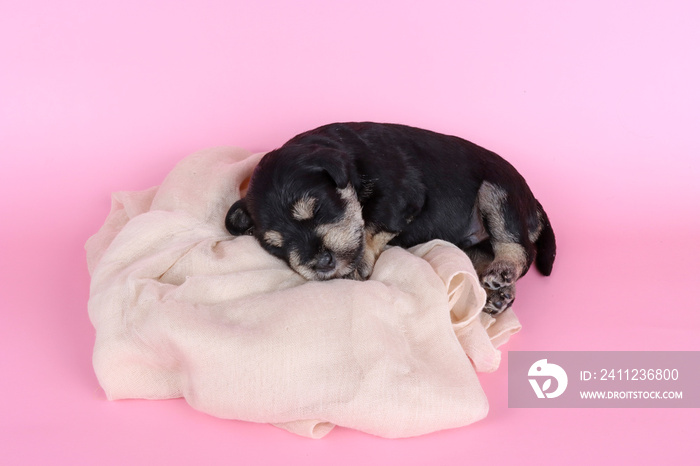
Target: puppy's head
{"x": 302, "y": 207}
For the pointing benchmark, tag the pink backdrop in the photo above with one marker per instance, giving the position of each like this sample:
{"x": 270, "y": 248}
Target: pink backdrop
{"x": 596, "y": 102}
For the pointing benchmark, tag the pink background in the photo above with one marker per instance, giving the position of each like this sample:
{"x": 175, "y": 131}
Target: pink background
{"x": 595, "y": 102}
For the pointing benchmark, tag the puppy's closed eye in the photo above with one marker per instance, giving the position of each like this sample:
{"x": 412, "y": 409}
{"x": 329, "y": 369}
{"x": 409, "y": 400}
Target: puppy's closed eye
{"x": 303, "y": 209}
{"x": 274, "y": 238}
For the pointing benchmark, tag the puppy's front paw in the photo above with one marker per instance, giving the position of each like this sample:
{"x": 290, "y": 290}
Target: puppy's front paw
{"x": 362, "y": 271}
{"x": 364, "y": 265}
{"x": 499, "y": 300}
{"x": 499, "y": 274}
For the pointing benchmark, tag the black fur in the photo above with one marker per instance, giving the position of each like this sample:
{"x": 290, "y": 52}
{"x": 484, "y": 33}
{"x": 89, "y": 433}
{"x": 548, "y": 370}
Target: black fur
{"x": 410, "y": 186}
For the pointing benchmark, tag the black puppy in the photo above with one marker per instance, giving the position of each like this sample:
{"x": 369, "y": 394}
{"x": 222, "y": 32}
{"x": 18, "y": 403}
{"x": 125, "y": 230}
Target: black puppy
{"x": 329, "y": 200}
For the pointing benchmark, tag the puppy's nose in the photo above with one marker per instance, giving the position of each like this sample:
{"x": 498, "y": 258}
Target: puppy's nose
{"x": 325, "y": 262}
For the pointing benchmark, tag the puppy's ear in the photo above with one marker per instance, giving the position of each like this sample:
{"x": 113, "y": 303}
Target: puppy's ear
{"x": 238, "y": 221}
{"x": 338, "y": 166}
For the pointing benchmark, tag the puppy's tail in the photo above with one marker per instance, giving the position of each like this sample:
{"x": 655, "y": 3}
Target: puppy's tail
{"x": 546, "y": 245}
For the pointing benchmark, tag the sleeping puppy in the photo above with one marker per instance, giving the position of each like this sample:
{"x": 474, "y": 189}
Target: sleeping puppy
{"x": 330, "y": 200}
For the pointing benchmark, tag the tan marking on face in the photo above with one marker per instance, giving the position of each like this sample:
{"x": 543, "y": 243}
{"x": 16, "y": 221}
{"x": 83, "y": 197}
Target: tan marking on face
{"x": 346, "y": 233}
{"x": 296, "y": 265}
{"x": 303, "y": 209}
{"x": 274, "y": 238}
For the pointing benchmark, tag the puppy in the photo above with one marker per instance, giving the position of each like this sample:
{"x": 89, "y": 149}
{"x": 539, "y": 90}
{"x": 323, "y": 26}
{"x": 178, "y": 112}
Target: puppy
{"x": 330, "y": 200}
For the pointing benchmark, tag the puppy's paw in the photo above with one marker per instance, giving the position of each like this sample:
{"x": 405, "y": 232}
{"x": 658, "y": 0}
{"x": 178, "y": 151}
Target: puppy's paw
{"x": 499, "y": 300}
{"x": 362, "y": 271}
{"x": 499, "y": 274}
{"x": 364, "y": 265}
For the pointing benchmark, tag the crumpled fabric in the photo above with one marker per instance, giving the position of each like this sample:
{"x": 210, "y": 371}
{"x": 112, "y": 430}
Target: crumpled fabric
{"x": 183, "y": 309}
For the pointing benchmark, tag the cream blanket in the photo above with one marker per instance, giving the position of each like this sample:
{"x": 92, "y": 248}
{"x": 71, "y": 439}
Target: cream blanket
{"x": 183, "y": 309}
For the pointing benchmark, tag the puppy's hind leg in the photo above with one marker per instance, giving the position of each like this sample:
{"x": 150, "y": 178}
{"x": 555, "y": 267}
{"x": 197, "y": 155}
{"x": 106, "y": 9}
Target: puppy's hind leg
{"x": 510, "y": 249}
